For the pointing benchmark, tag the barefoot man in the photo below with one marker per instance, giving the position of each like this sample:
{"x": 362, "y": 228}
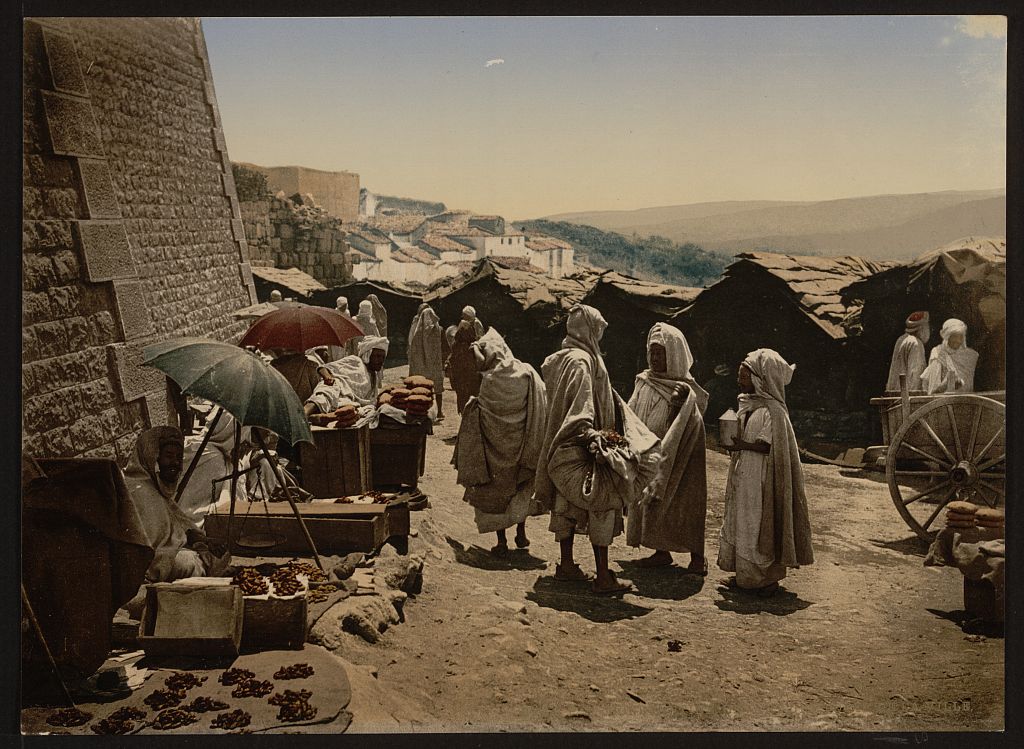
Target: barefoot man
{"x": 765, "y": 529}
{"x": 668, "y": 400}
{"x": 499, "y": 441}
{"x": 583, "y": 413}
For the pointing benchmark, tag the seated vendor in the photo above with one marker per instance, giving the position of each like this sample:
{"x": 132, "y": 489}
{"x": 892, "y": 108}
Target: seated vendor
{"x": 353, "y": 378}
{"x": 181, "y": 549}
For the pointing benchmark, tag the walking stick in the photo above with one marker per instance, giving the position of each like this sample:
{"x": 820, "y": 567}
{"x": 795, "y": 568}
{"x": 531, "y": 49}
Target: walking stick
{"x": 288, "y": 495}
{"x": 46, "y": 648}
{"x": 195, "y": 458}
{"x": 234, "y": 480}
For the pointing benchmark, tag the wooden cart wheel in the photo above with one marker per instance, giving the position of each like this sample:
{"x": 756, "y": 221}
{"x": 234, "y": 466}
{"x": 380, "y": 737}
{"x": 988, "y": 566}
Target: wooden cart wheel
{"x": 951, "y": 448}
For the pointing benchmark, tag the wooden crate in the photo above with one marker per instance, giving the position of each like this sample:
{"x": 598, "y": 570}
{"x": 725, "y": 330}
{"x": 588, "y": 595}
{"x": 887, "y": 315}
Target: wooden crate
{"x": 212, "y": 626}
{"x": 337, "y": 464}
{"x": 398, "y": 455}
{"x": 275, "y": 623}
{"x": 335, "y": 529}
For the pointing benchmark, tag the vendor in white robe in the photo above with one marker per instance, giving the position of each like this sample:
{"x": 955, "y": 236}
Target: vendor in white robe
{"x": 180, "y": 548}
{"x": 499, "y": 442}
{"x": 669, "y": 401}
{"x": 428, "y": 350}
{"x": 908, "y": 355}
{"x": 353, "y": 378}
{"x": 581, "y": 403}
{"x": 366, "y": 322}
{"x": 766, "y": 527}
{"x": 951, "y": 365}
{"x": 380, "y": 315}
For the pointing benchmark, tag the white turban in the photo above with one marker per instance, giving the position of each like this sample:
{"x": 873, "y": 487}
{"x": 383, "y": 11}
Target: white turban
{"x": 341, "y": 304}
{"x": 468, "y": 312}
{"x": 370, "y": 342}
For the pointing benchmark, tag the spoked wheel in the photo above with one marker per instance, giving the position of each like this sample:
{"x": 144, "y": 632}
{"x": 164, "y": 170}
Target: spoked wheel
{"x": 951, "y": 448}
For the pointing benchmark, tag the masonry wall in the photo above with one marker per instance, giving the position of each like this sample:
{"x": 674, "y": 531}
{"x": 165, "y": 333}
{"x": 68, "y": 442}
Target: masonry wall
{"x": 132, "y": 231}
{"x": 337, "y": 192}
{"x": 285, "y": 235}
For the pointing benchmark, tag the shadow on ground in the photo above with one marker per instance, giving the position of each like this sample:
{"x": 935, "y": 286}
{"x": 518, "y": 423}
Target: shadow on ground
{"x": 578, "y": 598}
{"x": 669, "y": 583}
{"x": 912, "y": 546}
{"x": 483, "y": 559}
{"x": 783, "y": 603}
{"x": 969, "y": 623}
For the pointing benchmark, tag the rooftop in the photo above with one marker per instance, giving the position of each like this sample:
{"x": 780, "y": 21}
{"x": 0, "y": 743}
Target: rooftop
{"x": 291, "y": 278}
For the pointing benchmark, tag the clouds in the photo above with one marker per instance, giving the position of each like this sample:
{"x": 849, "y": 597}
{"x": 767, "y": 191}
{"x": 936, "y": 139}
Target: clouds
{"x": 492, "y": 63}
{"x": 979, "y": 27}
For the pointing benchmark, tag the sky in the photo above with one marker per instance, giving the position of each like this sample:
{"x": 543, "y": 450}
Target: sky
{"x": 527, "y": 117}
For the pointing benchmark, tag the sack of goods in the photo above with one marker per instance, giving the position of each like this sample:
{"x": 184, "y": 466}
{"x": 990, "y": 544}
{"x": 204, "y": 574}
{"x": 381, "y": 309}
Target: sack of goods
{"x": 418, "y": 381}
{"x": 346, "y": 416}
{"x": 399, "y": 396}
{"x": 960, "y": 514}
{"x": 418, "y": 405}
{"x": 990, "y": 518}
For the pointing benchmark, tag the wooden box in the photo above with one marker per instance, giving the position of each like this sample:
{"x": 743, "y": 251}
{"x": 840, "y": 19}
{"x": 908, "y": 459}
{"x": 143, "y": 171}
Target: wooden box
{"x": 275, "y": 623}
{"x": 192, "y": 619}
{"x": 337, "y": 464}
{"x": 398, "y": 455}
{"x": 335, "y": 529}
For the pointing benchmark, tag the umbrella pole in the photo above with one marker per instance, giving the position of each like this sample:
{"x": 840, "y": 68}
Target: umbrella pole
{"x": 288, "y": 495}
{"x": 195, "y": 458}
{"x": 234, "y": 479}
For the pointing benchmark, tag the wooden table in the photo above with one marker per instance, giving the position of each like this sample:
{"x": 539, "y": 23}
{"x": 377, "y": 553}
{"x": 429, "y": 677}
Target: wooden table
{"x": 337, "y": 464}
{"x": 398, "y": 454}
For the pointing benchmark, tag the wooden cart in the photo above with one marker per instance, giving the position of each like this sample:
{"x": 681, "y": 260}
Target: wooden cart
{"x": 943, "y": 447}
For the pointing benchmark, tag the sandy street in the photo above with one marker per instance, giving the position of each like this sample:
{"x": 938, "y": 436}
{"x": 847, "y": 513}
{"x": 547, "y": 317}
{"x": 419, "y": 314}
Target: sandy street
{"x": 864, "y": 639}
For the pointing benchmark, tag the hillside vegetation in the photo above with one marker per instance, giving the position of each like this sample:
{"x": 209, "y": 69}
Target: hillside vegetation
{"x": 650, "y": 258}
{"x": 893, "y": 227}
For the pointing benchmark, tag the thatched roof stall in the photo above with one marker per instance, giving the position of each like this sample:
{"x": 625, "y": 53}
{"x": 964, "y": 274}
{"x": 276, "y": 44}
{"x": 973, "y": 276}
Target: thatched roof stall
{"x": 631, "y": 307}
{"x": 791, "y": 304}
{"x": 291, "y": 282}
{"x": 965, "y": 279}
{"x": 528, "y": 309}
{"x": 400, "y": 304}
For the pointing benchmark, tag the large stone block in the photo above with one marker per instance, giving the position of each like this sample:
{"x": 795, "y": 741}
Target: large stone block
{"x": 64, "y": 68}
{"x": 65, "y": 267}
{"x": 88, "y": 432}
{"x": 98, "y": 188}
{"x": 61, "y": 202}
{"x": 218, "y": 140}
{"x": 157, "y": 411}
{"x": 132, "y": 310}
{"x": 78, "y": 333}
{"x": 132, "y": 379}
{"x": 72, "y": 125}
{"x": 52, "y": 338}
{"x": 105, "y": 250}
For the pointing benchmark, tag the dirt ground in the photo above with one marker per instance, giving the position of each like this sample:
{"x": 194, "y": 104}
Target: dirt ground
{"x": 867, "y": 638}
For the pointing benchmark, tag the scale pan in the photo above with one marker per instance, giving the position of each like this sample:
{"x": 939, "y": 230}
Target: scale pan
{"x": 260, "y": 541}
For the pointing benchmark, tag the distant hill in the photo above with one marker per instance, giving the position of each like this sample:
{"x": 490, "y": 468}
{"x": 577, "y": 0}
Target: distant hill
{"x": 880, "y": 227}
{"x": 648, "y": 258}
{"x": 409, "y": 205}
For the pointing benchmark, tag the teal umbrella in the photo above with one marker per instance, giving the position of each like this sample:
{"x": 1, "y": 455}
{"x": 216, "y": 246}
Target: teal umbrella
{"x": 235, "y": 379}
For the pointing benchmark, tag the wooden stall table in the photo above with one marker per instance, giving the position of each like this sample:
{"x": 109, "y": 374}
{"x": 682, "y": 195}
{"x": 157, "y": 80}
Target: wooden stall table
{"x": 398, "y": 453}
{"x": 337, "y": 464}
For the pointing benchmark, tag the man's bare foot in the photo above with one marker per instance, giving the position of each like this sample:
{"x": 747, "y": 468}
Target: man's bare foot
{"x": 570, "y": 573}
{"x": 698, "y": 565}
{"x": 501, "y": 551}
{"x": 657, "y": 559}
{"x": 522, "y": 542}
{"x": 608, "y": 583}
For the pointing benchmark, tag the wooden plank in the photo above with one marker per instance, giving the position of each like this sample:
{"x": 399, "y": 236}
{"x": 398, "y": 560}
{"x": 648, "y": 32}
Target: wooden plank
{"x": 338, "y": 463}
{"x": 332, "y": 535}
{"x": 221, "y": 605}
{"x": 306, "y": 509}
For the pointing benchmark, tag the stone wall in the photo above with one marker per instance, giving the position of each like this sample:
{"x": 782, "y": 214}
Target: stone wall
{"x": 132, "y": 231}
{"x": 286, "y": 234}
{"x": 337, "y": 192}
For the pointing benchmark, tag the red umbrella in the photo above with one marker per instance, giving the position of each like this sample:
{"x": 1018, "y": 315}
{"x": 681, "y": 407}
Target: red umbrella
{"x": 300, "y": 327}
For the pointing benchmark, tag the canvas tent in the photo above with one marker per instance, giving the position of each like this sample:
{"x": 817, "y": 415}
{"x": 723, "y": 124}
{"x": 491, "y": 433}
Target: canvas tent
{"x": 965, "y": 279}
{"x": 528, "y": 309}
{"x": 631, "y": 307}
{"x": 792, "y": 304}
{"x": 291, "y": 282}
